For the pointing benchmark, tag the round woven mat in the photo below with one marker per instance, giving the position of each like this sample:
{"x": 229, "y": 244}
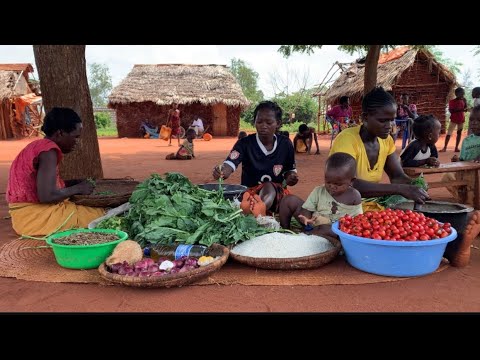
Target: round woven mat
{"x": 19, "y": 259}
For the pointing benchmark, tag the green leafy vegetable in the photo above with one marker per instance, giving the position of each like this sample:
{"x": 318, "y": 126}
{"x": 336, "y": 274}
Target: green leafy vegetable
{"x": 114, "y": 222}
{"x": 392, "y": 200}
{"x": 172, "y": 209}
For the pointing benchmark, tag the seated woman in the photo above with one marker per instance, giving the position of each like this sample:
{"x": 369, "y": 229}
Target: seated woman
{"x": 341, "y": 114}
{"x": 374, "y": 150}
{"x": 302, "y": 142}
{"x": 36, "y": 195}
{"x": 268, "y": 166}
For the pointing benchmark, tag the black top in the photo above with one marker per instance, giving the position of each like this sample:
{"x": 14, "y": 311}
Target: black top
{"x": 260, "y": 165}
{"x": 411, "y": 155}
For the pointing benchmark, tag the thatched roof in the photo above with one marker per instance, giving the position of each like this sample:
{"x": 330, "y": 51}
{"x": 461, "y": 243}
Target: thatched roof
{"x": 7, "y": 83}
{"x": 165, "y": 84}
{"x": 17, "y": 67}
{"x": 390, "y": 69}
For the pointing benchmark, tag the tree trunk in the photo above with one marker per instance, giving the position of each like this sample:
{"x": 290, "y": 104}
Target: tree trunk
{"x": 63, "y": 80}
{"x": 371, "y": 64}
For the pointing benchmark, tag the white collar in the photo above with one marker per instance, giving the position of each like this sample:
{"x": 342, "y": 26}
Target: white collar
{"x": 262, "y": 147}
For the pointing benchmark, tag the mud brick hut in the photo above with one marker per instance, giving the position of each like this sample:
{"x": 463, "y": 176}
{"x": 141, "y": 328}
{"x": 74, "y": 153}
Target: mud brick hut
{"x": 429, "y": 84}
{"x": 148, "y": 92}
{"x": 20, "y": 106}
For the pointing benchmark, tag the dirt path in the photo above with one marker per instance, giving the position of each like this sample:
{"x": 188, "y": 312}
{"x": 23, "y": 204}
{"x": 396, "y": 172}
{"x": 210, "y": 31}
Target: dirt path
{"x": 449, "y": 290}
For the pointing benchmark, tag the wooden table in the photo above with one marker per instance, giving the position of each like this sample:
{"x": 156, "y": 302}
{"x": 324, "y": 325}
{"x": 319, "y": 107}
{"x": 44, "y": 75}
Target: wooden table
{"x": 459, "y": 167}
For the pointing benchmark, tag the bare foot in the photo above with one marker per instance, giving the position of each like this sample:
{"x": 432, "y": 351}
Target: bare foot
{"x": 456, "y": 150}
{"x": 258, "y": 206}
{"x": 458, "y": 253}
{"x": 443, "y": 150}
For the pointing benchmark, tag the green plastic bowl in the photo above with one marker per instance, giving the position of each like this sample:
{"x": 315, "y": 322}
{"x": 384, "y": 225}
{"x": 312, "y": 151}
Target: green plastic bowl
{"x": 84, "y": 256}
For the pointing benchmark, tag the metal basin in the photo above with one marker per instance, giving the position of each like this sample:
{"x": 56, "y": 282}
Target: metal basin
{"x": 229, "y": 191}
{"x": 455, "y": 214}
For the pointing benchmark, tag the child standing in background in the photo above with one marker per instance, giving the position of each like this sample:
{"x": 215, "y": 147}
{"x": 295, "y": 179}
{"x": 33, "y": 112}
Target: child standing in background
{"x": 422, "y": 150}
{"x": 476, "y": 96}
{"x": 470, "y": 152}
{"x": 457, "y": 108}
{"x": 476, "y": 102}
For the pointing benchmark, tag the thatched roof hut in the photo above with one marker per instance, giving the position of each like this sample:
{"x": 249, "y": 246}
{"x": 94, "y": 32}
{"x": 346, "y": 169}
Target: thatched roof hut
{"x": 148, "y": 91}
{"x": 20, "y": 108}
{"x": 428, "y": 83}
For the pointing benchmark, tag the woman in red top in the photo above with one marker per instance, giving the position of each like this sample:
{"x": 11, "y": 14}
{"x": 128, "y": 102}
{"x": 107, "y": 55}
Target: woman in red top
{"x": 36, "y": 195}
{"x": 174, "y": 121}
{"x": 457, "y": 108}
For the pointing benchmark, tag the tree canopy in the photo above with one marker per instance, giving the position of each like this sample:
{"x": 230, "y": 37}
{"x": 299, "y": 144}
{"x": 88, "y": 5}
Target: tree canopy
{"x": 100, "y": 83}
{"x": 248, "y": 80}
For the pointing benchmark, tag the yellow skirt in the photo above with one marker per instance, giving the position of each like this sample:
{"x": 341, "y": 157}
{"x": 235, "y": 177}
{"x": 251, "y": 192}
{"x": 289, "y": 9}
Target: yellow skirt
{"x": 34, "y": 219}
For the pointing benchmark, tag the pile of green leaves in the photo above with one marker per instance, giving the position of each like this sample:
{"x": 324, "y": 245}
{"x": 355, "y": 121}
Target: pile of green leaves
{"x": 169, "y": 209}
{"x": 115, "y": 223}
{"x": 392, "y": 200}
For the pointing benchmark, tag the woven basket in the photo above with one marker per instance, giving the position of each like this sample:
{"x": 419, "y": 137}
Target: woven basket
{"x": 122, "y": 189}
{"x": 304, "y": 262}
{"x": 178, "y": 279}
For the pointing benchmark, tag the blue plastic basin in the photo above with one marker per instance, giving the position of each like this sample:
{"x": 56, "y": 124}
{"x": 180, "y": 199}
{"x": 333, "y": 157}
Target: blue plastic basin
{"x": 393, "y": 258}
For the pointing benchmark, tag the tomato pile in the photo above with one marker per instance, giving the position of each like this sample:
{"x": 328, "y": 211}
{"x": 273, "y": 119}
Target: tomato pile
{"x": 395, "y": 225}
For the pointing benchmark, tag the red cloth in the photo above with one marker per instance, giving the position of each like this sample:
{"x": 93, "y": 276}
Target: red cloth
{"x": 403, "y": 114}
{"x": 175, "y": 122}
{"x": 457, "y": 104}
{"x": 337, "y": 112}
{"x": 22, "y": 179}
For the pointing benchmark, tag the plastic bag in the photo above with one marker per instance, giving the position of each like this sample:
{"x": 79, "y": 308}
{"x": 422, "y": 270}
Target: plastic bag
{"x": 165, "y": 132}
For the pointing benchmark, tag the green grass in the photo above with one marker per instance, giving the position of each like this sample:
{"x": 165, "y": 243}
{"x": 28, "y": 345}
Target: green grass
{"x": 108, "y": 131}
{"x": 246, "y": 126}
{"x": 291, "y": 128}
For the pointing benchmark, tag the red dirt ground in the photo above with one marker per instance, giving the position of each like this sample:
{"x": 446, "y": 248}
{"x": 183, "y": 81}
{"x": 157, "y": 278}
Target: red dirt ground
{"x": 452, "y": 290}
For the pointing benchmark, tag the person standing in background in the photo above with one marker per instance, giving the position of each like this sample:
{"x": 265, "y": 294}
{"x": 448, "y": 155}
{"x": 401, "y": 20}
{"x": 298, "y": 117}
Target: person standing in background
{"x": 457, "y": 108}
{"x": 476, "y": 102}
{"x": 174, "y": 121}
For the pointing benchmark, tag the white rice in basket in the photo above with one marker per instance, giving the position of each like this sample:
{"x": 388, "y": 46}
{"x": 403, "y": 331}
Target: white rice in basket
{"x": 279, "y": 245}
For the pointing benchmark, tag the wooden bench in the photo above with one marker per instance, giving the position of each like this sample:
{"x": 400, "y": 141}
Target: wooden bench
{"x": 458, "y": 167}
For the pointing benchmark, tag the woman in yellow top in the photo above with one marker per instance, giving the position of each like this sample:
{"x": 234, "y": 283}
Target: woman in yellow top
{"x": 374, "y": 150}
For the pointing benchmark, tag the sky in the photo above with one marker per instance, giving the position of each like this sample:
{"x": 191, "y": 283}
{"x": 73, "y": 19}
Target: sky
{"x": 276, "y": 73}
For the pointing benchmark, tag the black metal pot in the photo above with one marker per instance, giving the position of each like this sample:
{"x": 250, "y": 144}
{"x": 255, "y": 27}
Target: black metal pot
{"x": 455, "y": 214}
{"x": 229, "y": 191}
